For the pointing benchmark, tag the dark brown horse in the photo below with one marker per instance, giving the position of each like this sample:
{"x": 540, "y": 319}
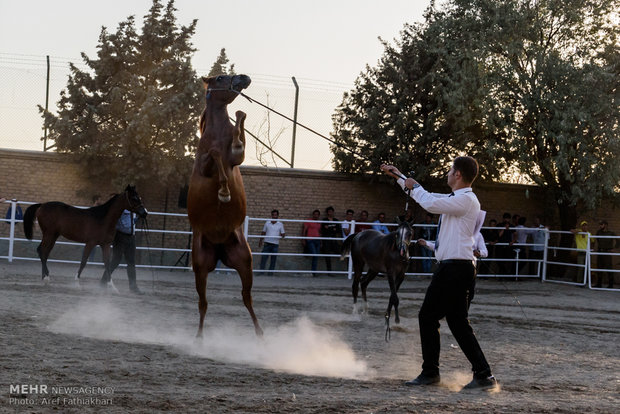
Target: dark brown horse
{"x": 92, "y": 226}
{"x": 383, "y": 253}
{"x": 216, "y": 203}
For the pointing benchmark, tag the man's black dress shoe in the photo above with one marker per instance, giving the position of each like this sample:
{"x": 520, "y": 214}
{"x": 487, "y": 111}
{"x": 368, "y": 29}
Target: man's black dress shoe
{"x": 482, "y": 383}
{"x": 424, "y": 380}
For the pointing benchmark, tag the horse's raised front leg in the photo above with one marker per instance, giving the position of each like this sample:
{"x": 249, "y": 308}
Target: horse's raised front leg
{"x": 399, "y": 280}
{"x": 203, "y": 261}
{"x": 392, "y": 302}
{"x": 239, "y": 257}
{"x": 237, "y": 148}
{"x": 223, "y": 194}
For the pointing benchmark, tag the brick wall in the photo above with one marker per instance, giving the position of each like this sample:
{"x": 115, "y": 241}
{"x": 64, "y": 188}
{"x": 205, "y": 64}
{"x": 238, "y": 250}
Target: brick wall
{"x": 40, "y": 177}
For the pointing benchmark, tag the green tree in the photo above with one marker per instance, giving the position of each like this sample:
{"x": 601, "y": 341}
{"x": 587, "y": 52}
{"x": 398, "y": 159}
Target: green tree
{"x": 132, "y": 116}
{"x": 220, "y": 66}
{"x": 525, "y": 85}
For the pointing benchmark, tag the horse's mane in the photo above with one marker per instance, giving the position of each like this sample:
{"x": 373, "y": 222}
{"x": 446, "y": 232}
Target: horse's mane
{"x": 101, "y": 210}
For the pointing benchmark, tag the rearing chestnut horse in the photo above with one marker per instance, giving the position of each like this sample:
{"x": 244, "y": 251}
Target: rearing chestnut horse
{"x": 92, "y": 226}
{"x": 216, "y": 203}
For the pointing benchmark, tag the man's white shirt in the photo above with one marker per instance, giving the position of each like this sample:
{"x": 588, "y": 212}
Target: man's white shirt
{"x": 273, "y": 232}
{"x": 458, "y": 220}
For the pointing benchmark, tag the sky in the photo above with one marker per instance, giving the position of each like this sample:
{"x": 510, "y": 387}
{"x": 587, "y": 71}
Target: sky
{"x": 324, "y": 44}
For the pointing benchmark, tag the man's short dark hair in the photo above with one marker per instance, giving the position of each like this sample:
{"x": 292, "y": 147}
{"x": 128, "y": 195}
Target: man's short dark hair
{"x": 329, "y": 208}
{"x": 350, "y": 211}
{"x": 316, "y": 211}
{"x": 275, "y": 211}
{"x": 467, "y": 166}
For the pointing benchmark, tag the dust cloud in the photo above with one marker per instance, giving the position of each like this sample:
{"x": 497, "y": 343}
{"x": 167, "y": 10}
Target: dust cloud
{"x": 298, "y": 347}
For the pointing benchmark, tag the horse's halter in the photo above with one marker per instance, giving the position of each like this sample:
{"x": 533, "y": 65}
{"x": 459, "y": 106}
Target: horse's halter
{"x": 229, "y": 89}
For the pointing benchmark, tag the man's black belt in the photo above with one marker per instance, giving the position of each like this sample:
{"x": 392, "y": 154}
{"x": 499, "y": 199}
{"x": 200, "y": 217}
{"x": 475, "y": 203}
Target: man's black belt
{"x": 456, "y": 261}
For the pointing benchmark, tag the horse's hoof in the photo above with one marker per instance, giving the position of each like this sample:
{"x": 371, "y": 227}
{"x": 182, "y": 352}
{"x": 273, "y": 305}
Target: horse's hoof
{"x": 259, "y": 331}
{"x": 46, "y": 280}
{"x": 224, "y": 198}
{"x": 110, "y": 286}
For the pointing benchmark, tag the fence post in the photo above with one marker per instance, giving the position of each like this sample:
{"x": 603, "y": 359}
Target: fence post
{"x": 544, "y": 263}
{"x": 350, "y": 267}
{"x": 587, "y": 273}
{"x": 12, "y": 231}
{"x": 246, "y": 226}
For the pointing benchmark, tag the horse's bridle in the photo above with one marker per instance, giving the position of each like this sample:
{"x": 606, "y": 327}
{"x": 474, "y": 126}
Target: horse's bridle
{"x": 229, "y": 89}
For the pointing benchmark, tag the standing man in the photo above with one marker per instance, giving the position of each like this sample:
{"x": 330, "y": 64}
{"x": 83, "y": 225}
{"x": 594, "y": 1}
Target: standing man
{"x": 582, "y": 236}
{"x": 379, "y": 224}
{"x": 346, "y": 226}
{"x": 272, "y": 231}
{"x": 332, "y": 231}
{"x": 311, "y": 231}
{"x": 447, "y": 294}
{"x": 540, "y": 236}
{"x": 362, "y": 225}
{"x": 427, "y": 232}
{"x": 125, "y": 245}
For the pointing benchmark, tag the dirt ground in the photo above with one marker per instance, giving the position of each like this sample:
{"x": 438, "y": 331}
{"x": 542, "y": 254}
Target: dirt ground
{"x": 554, "y": 348}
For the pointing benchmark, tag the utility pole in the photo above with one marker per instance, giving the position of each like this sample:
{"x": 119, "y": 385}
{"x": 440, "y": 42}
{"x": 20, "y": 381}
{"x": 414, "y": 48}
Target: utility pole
{"x": 294, "y": 122}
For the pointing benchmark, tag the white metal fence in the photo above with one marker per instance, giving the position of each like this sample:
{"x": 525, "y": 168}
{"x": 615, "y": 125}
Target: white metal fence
{"x": 553, "y": 264}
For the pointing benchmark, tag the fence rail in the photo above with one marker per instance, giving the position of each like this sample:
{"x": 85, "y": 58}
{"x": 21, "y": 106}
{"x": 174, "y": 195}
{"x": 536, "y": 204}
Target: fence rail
{"x": 551, "y": 264}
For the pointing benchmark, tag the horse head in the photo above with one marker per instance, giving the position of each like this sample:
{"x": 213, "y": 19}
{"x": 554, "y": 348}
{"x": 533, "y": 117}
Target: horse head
{"x": 134, "y": 202}
{"x": 222, "y": 145}
{"x": 404, "y": 234}
{"x": 223, "y": 89}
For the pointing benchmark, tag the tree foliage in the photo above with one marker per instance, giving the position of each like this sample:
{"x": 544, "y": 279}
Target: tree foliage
{"x": 531, "y": 85}
{"x": 220, "y": 66}
{"x": 132, "y": 116}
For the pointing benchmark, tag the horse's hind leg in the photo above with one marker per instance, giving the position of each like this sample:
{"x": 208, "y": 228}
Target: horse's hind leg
{"x": 203, "y": 262}
{"x": 370, "y": 275}
{"x": 44, "y": 249}
{"x": 87, "y": 249}
{"x": 357, "y": 274}
{"x": 239, "y": 257}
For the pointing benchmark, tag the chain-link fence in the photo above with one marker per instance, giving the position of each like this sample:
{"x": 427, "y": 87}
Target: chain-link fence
{"x": 24, "y": 82}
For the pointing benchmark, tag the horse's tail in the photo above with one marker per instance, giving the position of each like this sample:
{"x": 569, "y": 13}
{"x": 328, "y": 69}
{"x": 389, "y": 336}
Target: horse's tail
{"x": 346, "y": 246}
{"x": 29, "y": 219}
